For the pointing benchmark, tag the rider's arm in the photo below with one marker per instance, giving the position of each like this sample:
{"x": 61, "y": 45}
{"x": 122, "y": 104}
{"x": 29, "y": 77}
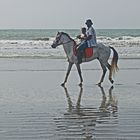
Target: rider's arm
{"x": 82, "y": 36}
{"x": 79, "y": 36}
{"x": 89, "y": 37}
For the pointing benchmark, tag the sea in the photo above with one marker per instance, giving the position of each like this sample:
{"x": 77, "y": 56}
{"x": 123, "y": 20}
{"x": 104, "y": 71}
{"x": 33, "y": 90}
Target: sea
{"x": 36, "y": 43}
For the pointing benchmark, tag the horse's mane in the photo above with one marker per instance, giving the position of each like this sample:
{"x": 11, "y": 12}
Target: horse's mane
{"x": 68, "y": 36}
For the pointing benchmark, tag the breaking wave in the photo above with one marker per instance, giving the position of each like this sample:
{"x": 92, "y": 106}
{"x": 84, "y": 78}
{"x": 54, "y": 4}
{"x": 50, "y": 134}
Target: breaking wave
{"x": 127, "y": 47}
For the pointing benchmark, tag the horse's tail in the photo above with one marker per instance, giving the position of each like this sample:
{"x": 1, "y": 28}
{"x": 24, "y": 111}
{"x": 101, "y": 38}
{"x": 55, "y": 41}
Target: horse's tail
{"x": 114, "y": 67}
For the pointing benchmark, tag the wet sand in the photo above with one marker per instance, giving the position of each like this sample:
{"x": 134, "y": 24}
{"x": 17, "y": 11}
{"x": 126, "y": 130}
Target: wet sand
{"x": 33, "y": 105}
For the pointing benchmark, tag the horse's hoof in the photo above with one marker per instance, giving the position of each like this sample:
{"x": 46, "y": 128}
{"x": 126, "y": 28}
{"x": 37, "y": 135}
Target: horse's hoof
{"x": 112, "y": 81}
{"x": 63, "y": 84}
{"x": 111, "y": 87}
{"x": 99, "y": 84}
{"x": 80, "y": 84}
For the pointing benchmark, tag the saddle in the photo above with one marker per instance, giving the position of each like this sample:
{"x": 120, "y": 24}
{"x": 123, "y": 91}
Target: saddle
{"x": 88, "y": 52}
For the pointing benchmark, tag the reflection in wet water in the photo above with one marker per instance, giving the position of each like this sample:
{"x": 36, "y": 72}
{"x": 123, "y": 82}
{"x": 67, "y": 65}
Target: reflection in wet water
{"x": 110, "y": 104}
{"x": 88, "y": 123}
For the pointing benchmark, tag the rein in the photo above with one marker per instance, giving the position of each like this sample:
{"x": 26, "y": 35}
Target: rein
{"x": 64, "y": 43}
{"x": 70, "y": 40}
{"x": 67, "y": 41}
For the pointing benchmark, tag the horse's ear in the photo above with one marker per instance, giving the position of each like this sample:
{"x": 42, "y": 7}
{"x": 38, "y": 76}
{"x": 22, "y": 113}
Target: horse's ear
{"x": 57, "y": 33}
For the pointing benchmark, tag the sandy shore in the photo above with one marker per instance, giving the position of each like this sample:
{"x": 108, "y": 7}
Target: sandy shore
{"x": 33, "y": 105}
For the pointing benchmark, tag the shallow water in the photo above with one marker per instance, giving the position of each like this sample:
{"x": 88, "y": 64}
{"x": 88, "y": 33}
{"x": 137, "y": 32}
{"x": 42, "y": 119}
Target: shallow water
{"x": 33, "y": 105}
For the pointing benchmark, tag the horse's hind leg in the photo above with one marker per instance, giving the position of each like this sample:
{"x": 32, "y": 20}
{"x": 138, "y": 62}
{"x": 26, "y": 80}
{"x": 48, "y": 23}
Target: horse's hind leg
{"x": 110, "y": 73}
{"x": 104, "y": 72}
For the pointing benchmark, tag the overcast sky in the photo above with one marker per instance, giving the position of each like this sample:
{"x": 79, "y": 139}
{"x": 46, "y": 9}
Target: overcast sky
{"x": 68, "y": 14}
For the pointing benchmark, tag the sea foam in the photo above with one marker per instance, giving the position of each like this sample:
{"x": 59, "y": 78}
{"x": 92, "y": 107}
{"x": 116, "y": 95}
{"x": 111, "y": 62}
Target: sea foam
{"x": 127, "y": 46}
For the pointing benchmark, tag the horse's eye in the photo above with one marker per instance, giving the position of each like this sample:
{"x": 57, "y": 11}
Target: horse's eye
{"x": 57, "y": 39}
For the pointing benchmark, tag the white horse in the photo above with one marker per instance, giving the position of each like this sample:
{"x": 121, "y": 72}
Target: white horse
{"x": 101, "y": 52}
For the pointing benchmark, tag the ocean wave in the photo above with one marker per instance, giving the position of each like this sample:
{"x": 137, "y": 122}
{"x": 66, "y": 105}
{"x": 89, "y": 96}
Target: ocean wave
{"x": 24, "y": 42}
{"x": 44, "y": 39}
{"x": 127, "y": 47}
{"x": 119, "y": 38}
{"x": 48, "y": 41}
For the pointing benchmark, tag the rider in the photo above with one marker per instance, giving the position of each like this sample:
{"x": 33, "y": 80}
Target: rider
{"x": 83, "y": 34}
{"x": 89, "y": 41}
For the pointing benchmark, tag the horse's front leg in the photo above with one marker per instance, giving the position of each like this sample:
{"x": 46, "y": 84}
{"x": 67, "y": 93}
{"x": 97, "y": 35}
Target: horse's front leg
{"x": 67, "y": 74}
{"x": 79, "y": 71}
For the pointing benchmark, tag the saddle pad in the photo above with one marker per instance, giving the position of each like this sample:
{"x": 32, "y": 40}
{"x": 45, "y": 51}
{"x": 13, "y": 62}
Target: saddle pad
{"x": 88, "y": 52}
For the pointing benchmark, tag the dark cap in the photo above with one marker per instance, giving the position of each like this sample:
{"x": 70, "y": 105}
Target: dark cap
{"x": 88, "y": 21}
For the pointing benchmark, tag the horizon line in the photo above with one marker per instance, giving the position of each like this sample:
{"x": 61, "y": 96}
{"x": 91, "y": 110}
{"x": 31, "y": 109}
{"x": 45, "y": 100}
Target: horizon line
{"x": 67, "y": 28}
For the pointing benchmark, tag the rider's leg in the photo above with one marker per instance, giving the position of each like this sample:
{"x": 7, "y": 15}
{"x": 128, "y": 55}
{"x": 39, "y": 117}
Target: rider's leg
{"x": 80, "y": 51}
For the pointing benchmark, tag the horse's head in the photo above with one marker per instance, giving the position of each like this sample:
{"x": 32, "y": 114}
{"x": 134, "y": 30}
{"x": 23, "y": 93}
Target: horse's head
{"x": 61, "y": 38}
{"x": 58, "y": 40}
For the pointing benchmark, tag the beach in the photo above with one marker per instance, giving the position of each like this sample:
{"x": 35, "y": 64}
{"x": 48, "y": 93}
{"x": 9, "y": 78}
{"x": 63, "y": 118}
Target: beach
{"x": 33, "y": 105}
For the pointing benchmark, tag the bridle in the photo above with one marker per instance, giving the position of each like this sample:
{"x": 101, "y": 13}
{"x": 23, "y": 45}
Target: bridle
{"x": 57, "y": 40}
{"x": 62, "y": 42}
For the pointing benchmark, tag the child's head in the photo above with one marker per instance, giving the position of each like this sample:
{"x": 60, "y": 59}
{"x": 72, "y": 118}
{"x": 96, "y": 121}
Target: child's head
{"x": 83, "y": 30}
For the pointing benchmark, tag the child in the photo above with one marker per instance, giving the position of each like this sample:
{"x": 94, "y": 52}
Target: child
{"x": 83, "y": 35}
{"x": 80, "y": 49}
